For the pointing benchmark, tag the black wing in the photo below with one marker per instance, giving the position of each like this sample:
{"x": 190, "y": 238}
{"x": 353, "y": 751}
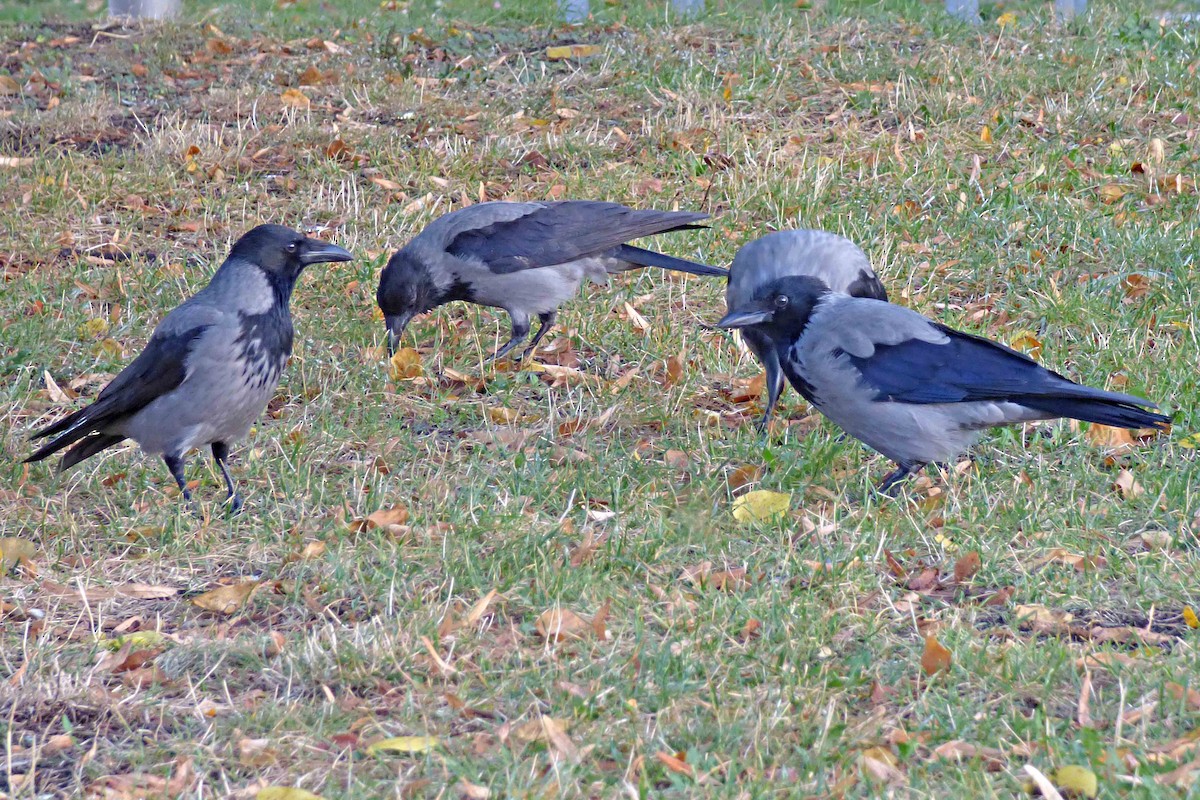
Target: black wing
{"x": 970, "y": 368}
{"x": 157, "y": 370}
{"x": 564, "y": 231}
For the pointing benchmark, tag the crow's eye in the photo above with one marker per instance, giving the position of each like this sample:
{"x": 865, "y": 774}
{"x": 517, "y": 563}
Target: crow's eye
{"x": 293, "y": 247}
{"x": 781, "y": 301}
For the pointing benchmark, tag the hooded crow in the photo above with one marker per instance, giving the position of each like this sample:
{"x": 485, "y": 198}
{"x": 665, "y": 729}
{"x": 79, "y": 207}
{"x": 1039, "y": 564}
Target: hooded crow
{"x": 834, "y": 260}
{"x": 210, "y": 366}
{"x": 908, "y": 387}
{"x": 527, "y": 258}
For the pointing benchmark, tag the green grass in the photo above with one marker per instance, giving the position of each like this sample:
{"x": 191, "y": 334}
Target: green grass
{"x": 864, "y": 118}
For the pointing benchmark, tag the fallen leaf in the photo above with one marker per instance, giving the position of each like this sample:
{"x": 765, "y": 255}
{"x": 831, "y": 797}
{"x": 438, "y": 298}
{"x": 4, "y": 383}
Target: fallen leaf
{"x": 1115, "y": 440}
{"x": 503, "y": 416}
{"x": 966, "y": 566}
{"x": 675, "y": 764}
{"x": 1189, "y": 616}
{"x": 1076, "y": 781}
{"x": 1042, "y": 783}
{"x": 13, "y": 551}
{"x": 285, "y": 793}
{"x": 294, "y": 98}
{"x": 1127, "y": 486}
{"x": 226, "y": 599}
{"x": 743, "y": 476}
{"x": 558, "y": 624}
{"x": 1189, "y": 696}
{"x": 639, "y": 323}
{"x": 405, "y": 364}
{"x": 8, "y": 85}
{"x": 562, "y": 52}
{"x": 13, "y": 162}
{"x": 761, "y": 505}
{"x": 1028, "y": 343}
{"x": 384, "y": 517}
{"x": 472, "y": 791}
{"x": 404, "y": 744}
{"x": 880, "y": 765}
{"x": 1112, "y": 192}
{"x": 556, "y": 736}
{"x": 676, "y": 459}
{"x": 256, "y": 753}
{"x": 935, "y": 658}
{"x": 534, "y": 730}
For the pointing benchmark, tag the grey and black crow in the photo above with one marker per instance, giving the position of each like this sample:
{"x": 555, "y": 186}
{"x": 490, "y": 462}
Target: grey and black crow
{"x": 913, "y": 389}
{"x": 834, "y": 260}
{"x": 210, "y": 366}
{"x": 527, "y": 258}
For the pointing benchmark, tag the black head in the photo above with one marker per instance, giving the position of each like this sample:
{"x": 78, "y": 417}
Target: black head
{"x": 780, "y": 308}
{"x": 283, "y": 253}
{"x": 406, "y": 289}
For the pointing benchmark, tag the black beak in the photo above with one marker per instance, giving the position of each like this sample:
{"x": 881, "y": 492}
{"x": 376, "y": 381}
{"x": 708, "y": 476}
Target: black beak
{"x": 316, "y": 251}
{"x": 396, "y": 323}
{"x": 753, "y": 314}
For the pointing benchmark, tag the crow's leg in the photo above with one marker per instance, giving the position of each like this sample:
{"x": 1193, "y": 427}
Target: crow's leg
{"x": 520, "y": 330}
{"x": 175, "y": 465}
{"x": 891, "y": 481}
{"x": 547, "y": 321}
{"x": 220, "y": 452}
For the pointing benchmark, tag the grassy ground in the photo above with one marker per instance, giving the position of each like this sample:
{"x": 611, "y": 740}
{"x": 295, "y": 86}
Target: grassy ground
{"x": 1019, "y": 180}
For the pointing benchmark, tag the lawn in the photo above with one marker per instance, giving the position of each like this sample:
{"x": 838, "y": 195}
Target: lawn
{"x": 462, "y": 581}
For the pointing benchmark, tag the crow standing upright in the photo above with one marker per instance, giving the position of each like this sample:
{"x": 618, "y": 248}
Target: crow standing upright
{"x": 527, "y": 258}
{"x": 834, "y": 260}
{"x": 908, "y": 387}
{"x": 210, "y": 367}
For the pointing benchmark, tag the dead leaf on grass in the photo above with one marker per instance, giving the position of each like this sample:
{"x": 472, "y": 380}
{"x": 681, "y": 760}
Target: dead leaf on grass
{"x": 227, "y": 600}
{"x": 14, "y": 551}
{"x": 558, "y": 624}
{"x": 761, "y": 505}
{"x": 285, "y": 793}
{"x": 294, "y": 98}
{"x": 936, "y": 657}
{"x": 404, "y": 745}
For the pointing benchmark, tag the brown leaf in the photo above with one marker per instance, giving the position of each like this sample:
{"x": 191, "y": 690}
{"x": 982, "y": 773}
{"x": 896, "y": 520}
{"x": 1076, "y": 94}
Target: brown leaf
{"x": 294, "y": 98}
{"x": 743, "y": 476}
{"x": 227, "y": 599}
{"x": 880, "y": 765}
{"x": 935, "y": 658}
{"x": 675, "y": 764}
{"x": 676, "y": 459}
{"x": 1127, "y": 486}
{"x": 8, "y": 85}
{"x": 558, "y": 624}
{"x": 1189, "y": 696}
{"x": 1114, "y": 440}
{"x": 966, "y": 566}
{"x": 674, "y": 372}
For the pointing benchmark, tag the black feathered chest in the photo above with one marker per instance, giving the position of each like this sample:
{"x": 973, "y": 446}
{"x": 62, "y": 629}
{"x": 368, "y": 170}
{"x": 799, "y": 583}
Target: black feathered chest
{"x": 264, "y": 344}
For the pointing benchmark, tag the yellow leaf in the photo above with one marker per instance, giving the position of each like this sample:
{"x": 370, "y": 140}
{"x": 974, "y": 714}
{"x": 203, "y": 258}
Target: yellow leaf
{"x": 1112, "y": 192}
{"x": 985, "y": 135}
{"x": 406, "y": 363}
{"x": 1190, "y": 442}
{"x": 8, "y": 85}
{"x": 761, "y": 505}
{"x": 1027, "y": 343}
{"x": 286, "y": 793}
{"x": 1005, "y": 19}
{"x": 566, "y": 51}
{"x": 1189, "y": 616}
{"x": 1077, "y": 781}
{"x": 294, "y": 98}
{"x": 226, "y": 599}
{"x": 13, "y": 551}
{"x": 138, "y": 639}
{"x": 503, "y": 416}
{"x": 936, "y": 657}
{"x": 404, "y": 744}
